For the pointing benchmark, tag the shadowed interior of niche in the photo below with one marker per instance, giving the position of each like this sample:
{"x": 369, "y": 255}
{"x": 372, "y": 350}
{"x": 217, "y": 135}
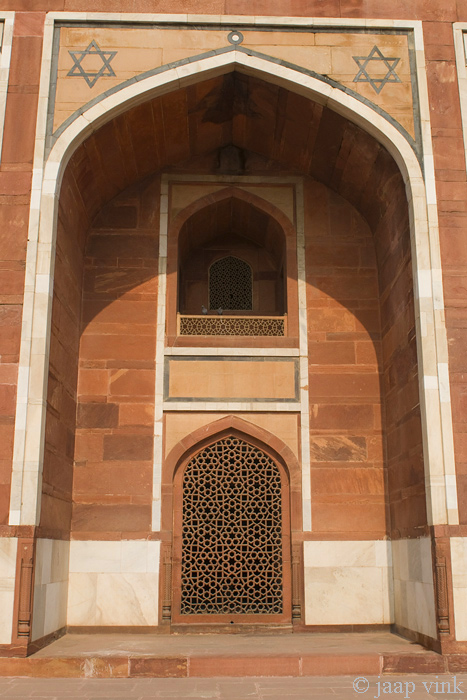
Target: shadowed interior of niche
{"x": 232, "y": 228}
{"x": 359, "y": 292}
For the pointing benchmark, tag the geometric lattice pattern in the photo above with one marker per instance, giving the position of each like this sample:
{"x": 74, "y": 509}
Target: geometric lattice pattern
{"x": 220, "y": 325}
{"x": 230, "y": 284}
{"x": 232, "y": 532}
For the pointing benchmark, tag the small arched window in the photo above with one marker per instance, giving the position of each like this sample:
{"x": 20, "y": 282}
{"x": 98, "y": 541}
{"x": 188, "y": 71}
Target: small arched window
{"x": 230, "y": 284}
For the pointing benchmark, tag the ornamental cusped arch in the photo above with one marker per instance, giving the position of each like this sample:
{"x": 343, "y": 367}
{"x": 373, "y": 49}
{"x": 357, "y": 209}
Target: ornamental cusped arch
{"x": 268, "y": 442}
{"x": 432, "y": 344}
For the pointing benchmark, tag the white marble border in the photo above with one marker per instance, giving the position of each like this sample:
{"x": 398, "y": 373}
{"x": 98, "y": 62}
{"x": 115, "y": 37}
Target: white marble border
{"x": 31, "y": 397}
{"x": 8, "y": 551}
{"x": 304, "y": 368}
{"x": 431, "y": 334}
{"x": 7, "y": 20}
{"x": 432, "y": 345}
{"x": 460, "y": 46}
{"x": 158, "y": 451}
{"x": 252, "y": 20}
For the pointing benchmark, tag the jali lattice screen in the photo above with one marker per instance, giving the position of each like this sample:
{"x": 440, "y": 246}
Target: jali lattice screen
{"x": 232, "y": 532}
{"x": 230, "y": 284}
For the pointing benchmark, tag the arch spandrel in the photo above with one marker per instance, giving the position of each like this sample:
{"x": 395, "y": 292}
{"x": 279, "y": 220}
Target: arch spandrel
{"x": 306, "y": 49}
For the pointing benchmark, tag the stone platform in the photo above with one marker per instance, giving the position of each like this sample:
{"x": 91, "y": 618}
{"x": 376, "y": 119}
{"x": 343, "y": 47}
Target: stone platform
{"x": 224, "y": 655}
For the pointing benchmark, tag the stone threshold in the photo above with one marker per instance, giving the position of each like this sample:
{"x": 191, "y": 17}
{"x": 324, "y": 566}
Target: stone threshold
{"x": 205, "y": 656}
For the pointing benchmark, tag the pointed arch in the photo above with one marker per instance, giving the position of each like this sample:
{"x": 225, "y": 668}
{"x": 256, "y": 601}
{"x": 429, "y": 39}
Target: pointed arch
{"x": 233, "y": 192}
{"x": 432, "y": 342}
{"x": 251, "y": 433}
{"x": 280, "y": 236}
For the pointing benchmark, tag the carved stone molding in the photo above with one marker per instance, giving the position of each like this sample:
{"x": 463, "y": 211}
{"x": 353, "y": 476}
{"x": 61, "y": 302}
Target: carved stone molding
{"x": 297, "y": 568}
{"x": 24, "y": 590}
{"x": 442, "y": 567}
{"x": 167, "y": 582}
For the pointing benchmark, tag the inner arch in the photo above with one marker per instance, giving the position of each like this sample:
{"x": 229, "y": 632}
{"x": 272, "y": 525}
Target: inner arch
{"x": 352, "y": 184}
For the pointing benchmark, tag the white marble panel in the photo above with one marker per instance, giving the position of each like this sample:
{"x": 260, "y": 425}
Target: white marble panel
{"x": 421, "y": 608}
{"x": 154, "y": 553}
{"x": 50, "y": 587}
{"x": 43, "y": 565}
{"x": 114, "y": 556}
{"x": 134, "y": 556}
{"x": 345, "y": 595}
{"x": 459, "y": 583}
{"x": 82, "y": 599}
{"x": 95, "y": 557}
{"x": 400, "y": 560}
{"x": 116, "y": 585}
{"x": 113, "y": 599}
{"x": 414, "y": 602}
{"x": 348, "y": 583}
{"x": 346, "y": 553}
{"x": 460, "y": 613}
{"x": 8, "y": 548}
{"x": 426, "y": 563}
{"x": 127, "y": 599}
{"x": 56, "y": 597}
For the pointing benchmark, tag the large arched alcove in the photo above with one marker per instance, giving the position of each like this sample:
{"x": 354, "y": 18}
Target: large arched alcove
{"x": 365, "y": 407}
{"x": 325, "y": 148}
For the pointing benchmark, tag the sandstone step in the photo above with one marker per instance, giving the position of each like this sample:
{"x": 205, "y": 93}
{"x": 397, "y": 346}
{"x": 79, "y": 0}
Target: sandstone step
{"x": 204, "y": 656}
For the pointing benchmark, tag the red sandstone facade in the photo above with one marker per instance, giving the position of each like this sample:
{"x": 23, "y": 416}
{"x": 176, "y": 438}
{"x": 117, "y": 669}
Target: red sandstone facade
{"x": 270, "y": 133}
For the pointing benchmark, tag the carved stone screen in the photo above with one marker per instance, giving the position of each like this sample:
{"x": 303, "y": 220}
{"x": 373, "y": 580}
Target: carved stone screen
{"x": 230, "y": 284}
{"x": 238, "y": 325}
{"x": 232, "y": 532}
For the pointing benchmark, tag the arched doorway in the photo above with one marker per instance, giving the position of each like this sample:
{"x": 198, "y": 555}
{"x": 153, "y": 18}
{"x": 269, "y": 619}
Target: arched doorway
{"x": 231, "y": 536}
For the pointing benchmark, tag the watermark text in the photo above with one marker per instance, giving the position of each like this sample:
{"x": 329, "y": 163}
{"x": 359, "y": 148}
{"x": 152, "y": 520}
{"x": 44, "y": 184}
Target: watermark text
{"x": 379, "y": 688}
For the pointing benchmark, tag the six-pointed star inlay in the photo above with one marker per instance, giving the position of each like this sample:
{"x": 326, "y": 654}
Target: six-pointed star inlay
{"x": 372, "y": 73}
{"x": 93, "y": 71}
